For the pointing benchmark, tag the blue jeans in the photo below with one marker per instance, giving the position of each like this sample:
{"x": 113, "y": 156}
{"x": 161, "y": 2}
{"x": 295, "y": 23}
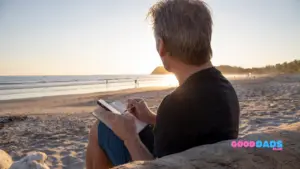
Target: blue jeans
{"x": 114, "y": 147}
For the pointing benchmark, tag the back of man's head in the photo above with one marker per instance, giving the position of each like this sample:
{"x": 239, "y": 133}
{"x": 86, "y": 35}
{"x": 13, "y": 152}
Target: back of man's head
{"x": 185, "y": 28}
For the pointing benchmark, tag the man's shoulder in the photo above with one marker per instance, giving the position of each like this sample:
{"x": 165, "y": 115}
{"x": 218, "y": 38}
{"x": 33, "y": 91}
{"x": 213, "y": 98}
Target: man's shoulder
{"x": 199, "y": 96}
{"x": 203, "y": 86}
{"x": 164, "y": 102}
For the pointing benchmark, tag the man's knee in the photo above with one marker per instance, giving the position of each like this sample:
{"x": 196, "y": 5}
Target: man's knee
{"x": 95, "y": 157}
{"x": 93, "y": 134}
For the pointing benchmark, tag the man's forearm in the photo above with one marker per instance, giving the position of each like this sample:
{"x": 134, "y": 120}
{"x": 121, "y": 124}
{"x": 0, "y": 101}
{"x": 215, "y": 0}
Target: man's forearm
{"x": 152, "y": 118}
{"x": 137, "y": 150}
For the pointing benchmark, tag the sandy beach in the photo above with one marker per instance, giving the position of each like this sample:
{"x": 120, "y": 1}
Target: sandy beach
{"x": 59, "y": 125}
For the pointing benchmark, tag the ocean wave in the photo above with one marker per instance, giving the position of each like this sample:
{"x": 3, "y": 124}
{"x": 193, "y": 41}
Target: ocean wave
{"x": 18, "y": 84}
{"x": 66, "y": 83}
{"x": 18, "y": 81}
{"x": 47, "y": 85}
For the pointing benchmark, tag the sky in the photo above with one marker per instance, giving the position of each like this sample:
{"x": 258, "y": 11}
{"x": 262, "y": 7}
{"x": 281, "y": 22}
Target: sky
{"x": 64, "y": 37}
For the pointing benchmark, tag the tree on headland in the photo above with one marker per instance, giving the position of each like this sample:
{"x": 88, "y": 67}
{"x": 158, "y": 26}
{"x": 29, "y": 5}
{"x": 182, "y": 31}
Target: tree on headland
{"x": 286, "y": 67}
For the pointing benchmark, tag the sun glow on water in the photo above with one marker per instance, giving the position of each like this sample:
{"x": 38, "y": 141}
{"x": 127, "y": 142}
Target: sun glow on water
{"x": 171, "y": 80}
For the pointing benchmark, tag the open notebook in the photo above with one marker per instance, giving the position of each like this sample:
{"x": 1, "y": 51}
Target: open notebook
{"x": 116, "y": 107}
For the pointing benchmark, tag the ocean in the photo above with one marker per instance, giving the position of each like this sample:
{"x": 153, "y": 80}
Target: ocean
{"x": 20, "y": 87}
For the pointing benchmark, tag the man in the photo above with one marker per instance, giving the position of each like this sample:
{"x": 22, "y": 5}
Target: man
{"x": 204, "y": 109}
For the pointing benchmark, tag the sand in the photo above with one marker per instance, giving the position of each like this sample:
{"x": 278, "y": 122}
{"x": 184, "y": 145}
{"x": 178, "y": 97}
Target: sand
{"x": 59, "y": 125}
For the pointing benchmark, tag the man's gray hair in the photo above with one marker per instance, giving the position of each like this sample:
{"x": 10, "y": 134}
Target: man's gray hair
{"x": 185, "y": 27}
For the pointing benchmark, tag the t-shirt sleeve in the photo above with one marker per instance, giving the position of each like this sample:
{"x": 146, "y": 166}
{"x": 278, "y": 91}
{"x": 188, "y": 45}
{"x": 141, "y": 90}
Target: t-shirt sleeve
{"x": 178, "y": 124}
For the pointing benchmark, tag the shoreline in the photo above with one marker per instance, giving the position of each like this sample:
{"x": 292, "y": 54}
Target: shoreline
{"x": 14, "y": 87}
{"x": 24, "y": 106}
{"x": 17, "y": 92}
{"x": 130, "y": 90}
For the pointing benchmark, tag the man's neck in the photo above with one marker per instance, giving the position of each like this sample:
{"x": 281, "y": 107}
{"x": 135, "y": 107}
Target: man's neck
{"x": 184, "y": 71}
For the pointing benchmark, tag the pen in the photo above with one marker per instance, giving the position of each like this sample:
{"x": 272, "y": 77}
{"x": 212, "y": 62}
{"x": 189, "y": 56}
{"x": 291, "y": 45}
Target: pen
{"x": 134, "y": 106}
{"x": 131, "y": 107}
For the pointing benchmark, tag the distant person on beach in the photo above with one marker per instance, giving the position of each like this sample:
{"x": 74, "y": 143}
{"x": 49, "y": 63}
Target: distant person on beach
{"x": 106, "y": 82}
{"x": 136, "y": 83}
{"x": 204, "y": 109}
{"x": 249, "y": 75}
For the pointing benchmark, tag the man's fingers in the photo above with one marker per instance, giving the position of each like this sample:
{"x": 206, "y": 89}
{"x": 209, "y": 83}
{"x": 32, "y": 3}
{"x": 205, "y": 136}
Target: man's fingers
{"x": 114, "y": 118}
{"x": 133, "y": 112}
{"x": 121, "y": 120}
{"x": 108, "y": 116}
{"x": 128, "y": 105}
{"x": 132, "y": 103}
{"x": 129, "y": 116}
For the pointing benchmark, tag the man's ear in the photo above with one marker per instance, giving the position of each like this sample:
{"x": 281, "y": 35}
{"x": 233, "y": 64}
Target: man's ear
{"x": 161, "y": 48}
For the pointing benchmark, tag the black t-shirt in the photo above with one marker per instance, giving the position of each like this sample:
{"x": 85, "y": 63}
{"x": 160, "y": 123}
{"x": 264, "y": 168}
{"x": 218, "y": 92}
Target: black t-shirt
{"x": 203, "y": 110}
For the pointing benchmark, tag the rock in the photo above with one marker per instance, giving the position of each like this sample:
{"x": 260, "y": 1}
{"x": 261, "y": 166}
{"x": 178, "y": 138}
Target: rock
{"x": 222, "y": 156}
{"x": 5, "y": 160}
{"x": 160, "y": 70}
{"x": 33, "y": 160}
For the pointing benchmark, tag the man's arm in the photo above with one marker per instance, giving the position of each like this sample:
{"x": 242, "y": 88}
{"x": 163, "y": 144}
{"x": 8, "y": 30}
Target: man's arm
{"x": 152, "y": 118}
{"x": 137, "y": 149}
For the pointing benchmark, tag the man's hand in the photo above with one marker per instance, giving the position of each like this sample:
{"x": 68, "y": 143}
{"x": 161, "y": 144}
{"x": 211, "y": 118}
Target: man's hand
{"x": 139, "y": 108}
{"x": 122, "y": 125}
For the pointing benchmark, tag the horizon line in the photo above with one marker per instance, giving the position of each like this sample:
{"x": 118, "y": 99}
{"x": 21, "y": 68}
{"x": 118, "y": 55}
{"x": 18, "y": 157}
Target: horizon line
{"x": 5, "y": 75}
